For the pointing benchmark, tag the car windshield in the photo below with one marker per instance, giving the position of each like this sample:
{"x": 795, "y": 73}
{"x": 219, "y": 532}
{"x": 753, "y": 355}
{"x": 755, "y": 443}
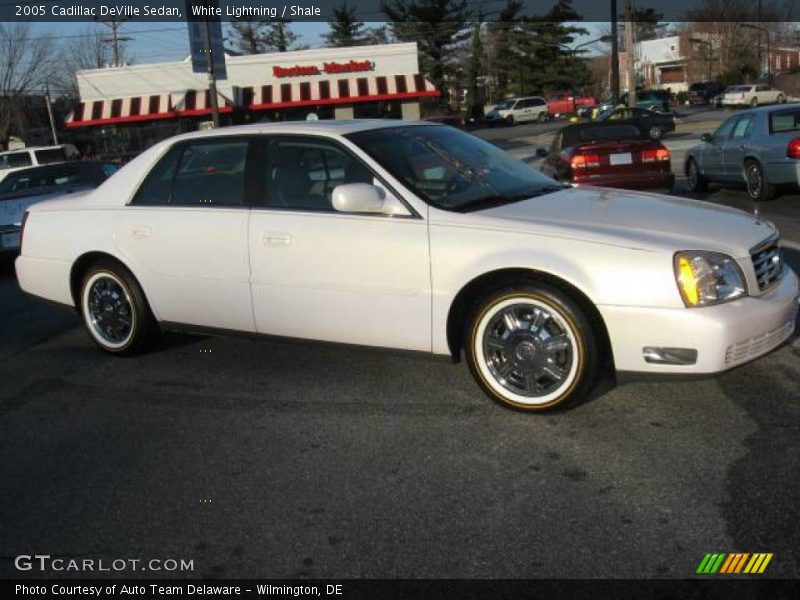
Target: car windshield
{"x": 451, "y": 169}
{"x": 505, "y": 104}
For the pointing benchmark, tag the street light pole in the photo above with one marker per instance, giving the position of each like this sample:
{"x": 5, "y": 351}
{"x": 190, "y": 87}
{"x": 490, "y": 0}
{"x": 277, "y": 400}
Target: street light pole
{"x": 614, "y": 54}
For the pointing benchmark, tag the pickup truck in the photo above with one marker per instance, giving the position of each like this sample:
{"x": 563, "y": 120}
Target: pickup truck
{"x": 565, "y": 103}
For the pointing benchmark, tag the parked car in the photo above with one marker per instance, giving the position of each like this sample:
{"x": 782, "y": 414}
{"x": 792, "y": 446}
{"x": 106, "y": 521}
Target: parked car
{"x": 608, "y": 154}
{"x": 421, "y": 237}
{"x": 518, "y": 110}
{"x": 21, "y": 158}
{"x": 752, "y": 95}
{"x": 656, "y": 124}
{"x": 658, "y": 100}
{"x": 24, "y": 187}
{"x": 704, "y": 92}
{"x": 759, "y": 148}
{"x": 567, "y": 103}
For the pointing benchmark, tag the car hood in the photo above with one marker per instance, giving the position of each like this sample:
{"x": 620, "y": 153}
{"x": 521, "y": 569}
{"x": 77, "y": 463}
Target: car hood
{"x": 639, "y": 220}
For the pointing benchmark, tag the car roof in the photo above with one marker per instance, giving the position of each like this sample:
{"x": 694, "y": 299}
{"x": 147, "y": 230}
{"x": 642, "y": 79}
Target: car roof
{"x": 324, "y": 127}
{"x": 29, "y": 148}
{"x": 60, "y": 164}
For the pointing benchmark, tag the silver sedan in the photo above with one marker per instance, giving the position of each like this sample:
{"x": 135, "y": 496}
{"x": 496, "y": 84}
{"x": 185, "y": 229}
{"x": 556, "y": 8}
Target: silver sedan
{"x": 759, "y": 148}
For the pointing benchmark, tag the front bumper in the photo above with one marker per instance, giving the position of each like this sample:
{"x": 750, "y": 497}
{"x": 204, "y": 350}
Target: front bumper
{"x": 725, "y": 336}
{"x": 9, "y": 238}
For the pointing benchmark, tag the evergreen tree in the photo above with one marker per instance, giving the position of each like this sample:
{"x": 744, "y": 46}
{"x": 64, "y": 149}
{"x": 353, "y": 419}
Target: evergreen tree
{"x": 502, "y": 37}
{"x": 279, "y": 35}
{"x": 433, "y": 24}
{"x": 249, "y": 36}
{"x": 345, "y": 28}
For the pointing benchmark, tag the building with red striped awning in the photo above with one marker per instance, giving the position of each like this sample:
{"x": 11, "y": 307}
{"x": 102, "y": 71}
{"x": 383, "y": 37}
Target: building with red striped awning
{"x": 136, "y": 105}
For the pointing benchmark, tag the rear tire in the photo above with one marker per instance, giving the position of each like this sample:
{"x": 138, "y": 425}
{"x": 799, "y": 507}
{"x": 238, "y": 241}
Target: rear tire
{"x": 754, "y": 102}
{"x": 758, "y": 186}
{"x": 781, "y": 99}
{"x": 697, "y": 182}
{"x": 114, "y": 310}
{"x": 510, "y": 121}
{"x": 542, "y": 117}
{"x": 531, "y": 348}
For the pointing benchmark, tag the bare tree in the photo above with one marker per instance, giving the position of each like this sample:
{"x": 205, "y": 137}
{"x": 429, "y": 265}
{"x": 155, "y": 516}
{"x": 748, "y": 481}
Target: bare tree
{"x": 87, "y": 50}
{"x": 26, "y": 64}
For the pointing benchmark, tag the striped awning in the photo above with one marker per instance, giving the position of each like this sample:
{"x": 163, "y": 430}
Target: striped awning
{"x": 343, "y": 90}
{"x": 190, "y": 103}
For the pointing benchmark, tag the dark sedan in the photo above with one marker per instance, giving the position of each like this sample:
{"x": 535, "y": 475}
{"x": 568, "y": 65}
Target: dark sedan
{"x": 656, "y": 124}
{"x": 611, "y": 154}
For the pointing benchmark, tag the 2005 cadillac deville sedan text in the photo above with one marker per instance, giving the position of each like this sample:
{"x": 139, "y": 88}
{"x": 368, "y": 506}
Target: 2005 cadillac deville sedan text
{"x": 417, "y": 237}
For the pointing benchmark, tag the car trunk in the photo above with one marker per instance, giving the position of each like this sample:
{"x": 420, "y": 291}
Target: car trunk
{"x": 628, "y": 159}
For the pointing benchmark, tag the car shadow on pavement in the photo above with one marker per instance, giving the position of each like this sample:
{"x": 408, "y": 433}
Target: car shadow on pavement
{"x": 7, "y": 265}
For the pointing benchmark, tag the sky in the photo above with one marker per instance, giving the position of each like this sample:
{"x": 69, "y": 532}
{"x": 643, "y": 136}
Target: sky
{"x": 169, "y": 41}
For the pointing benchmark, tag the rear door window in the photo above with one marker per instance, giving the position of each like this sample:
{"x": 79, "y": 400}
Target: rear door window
{"x": 784, "y": 121}
{"x": 15, "y": 160}
{"x": 50, "y": 155}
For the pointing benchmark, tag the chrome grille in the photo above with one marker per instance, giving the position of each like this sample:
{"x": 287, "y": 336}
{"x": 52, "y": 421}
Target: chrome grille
{"x": 768, "y": 263}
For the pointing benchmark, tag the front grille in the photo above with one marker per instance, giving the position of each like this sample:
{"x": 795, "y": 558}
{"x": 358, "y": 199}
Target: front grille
{"x": 758, "y": 345}
{"x": 768, "y": 263}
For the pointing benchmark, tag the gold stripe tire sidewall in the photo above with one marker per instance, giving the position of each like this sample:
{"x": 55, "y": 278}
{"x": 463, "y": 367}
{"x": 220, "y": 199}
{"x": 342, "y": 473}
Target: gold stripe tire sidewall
{"x": 580, "y": 332}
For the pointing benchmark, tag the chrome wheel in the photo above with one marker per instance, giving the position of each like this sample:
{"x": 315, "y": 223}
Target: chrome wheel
{"x": 528, "y": 350}
{"x": 108, "y": 310}
{"x": 754, "y": 182}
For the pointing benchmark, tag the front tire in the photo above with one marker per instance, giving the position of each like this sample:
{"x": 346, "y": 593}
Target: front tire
{"x": 114, "y": 310}
{"x": 532, "y": 348}
{"x": 781, "y": 99}
{"x": 510, "y": 121}
{"x": 758, "y": 186}
{"x": 754, "y": 102}
{"x": 655, "y": 132}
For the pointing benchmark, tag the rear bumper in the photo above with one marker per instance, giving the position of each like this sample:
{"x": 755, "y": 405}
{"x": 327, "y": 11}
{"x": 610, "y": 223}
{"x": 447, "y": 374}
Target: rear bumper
{"x": 638, "y": 182}
{"x": 724, "y": 336}
{"x": 9, "y": 238}
{"x": 46, "y": 278}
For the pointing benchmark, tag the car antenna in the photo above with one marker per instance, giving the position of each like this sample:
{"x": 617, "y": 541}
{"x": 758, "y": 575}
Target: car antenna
{"x": 757, "y": 212}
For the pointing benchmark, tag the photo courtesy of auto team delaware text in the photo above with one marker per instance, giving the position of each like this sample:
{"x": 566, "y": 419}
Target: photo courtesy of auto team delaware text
{"x": 367, "y": 298}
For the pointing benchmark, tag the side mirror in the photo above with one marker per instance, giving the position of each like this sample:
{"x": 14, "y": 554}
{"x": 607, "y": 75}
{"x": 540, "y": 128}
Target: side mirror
{"x": 542, "y": 153}
{"x": 365, "y": 198}
{"x": 706, "y": 137}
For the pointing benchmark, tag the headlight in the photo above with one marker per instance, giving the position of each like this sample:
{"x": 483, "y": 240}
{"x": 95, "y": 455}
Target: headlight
{"x": 706, "y": 278}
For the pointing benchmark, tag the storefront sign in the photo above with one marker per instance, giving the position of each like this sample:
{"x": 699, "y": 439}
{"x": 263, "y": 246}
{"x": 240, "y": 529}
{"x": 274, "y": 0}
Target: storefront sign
{"x": 353, "y": 66}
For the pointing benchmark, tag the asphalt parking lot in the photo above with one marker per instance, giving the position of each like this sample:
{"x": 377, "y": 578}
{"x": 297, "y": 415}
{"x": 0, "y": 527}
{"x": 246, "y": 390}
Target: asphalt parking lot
{"x": 258, "y": 458}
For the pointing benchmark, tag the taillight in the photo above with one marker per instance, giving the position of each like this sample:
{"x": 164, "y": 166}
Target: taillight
{"x": 584, "y": 161}
{"x": 22, "y": 230}
{"x": 655, "y": 155}
{"x": 793, "y": 149}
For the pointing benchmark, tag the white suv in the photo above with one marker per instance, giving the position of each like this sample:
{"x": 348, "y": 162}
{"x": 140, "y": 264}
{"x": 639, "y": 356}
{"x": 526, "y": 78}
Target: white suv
{"x": 519, "y": 110}
{"x": 30, "y": 157}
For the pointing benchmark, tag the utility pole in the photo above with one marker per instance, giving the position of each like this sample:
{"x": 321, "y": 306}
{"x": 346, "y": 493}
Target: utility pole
{"x": 115, "y": 39}
{"x": 212, "y": 80}
{"x": 629, "y": 47}
{"x": 614, "y": 54}
{"x": 50, "y": 113}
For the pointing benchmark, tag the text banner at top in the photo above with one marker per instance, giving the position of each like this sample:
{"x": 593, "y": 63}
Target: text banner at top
{"x": 373, "y": 10}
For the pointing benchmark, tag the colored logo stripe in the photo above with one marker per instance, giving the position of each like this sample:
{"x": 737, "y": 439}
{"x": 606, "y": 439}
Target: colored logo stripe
{"x": 734, "y": 563}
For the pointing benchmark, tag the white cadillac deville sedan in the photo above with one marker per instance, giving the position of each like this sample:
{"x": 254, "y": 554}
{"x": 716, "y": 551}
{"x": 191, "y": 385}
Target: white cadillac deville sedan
{"x": 416, "y": 237}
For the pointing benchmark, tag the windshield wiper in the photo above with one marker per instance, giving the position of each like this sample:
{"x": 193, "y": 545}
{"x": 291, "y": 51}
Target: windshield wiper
{"x": 500, "y": 200}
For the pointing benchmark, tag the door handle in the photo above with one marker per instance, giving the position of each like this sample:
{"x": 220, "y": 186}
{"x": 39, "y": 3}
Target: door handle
{"x": 276, "y": 239}
{"x": 141, "y": 232}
